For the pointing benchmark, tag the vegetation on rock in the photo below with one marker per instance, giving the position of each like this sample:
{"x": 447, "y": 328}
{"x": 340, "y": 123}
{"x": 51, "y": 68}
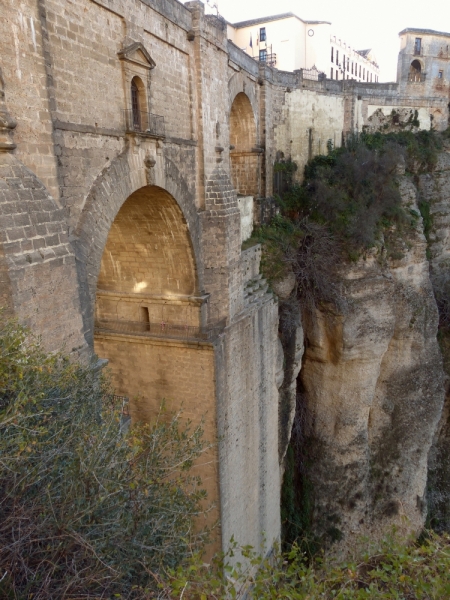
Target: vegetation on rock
{"x": 415, "y": 571}
{"x": 348, "y": 207}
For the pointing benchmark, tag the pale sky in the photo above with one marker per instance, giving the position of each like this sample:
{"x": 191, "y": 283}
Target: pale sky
{"x": 362, "y": 24}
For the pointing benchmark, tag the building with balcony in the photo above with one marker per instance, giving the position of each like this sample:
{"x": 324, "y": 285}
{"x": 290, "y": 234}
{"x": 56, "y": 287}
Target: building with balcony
{"x": 288, "y": 43}
{"x": 423, "y": 62}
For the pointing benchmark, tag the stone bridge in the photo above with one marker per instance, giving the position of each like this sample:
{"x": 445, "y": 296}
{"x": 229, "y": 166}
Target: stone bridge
{"x": 137, "y": 150}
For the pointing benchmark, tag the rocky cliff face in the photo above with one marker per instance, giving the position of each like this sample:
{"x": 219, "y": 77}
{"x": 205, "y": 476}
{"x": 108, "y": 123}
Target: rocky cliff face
{"x": 371, "y": 394}
{"x": 434, "y": 190}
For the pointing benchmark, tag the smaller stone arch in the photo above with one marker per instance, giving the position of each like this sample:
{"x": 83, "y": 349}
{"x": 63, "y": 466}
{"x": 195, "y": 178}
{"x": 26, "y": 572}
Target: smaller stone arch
{"x": 239, "y": 83}
{"x": 416, "y": 70}
{"x": 244, "y": 154}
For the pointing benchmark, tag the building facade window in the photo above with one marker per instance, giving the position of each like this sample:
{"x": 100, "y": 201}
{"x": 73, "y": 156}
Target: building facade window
{"x": 263, "y": 55}
{"x": 418, "y": 46}
{"x": 262, "y": 34}
{"x": 332, "y": 76}
{"x": 337, "y": 57}
{"x": 440, "y": 74}
{"x": 332, "y": 56}
{"x": 343, "y": 62}
{"x": 348, "y": 64}
{"x": 136, "y": 104}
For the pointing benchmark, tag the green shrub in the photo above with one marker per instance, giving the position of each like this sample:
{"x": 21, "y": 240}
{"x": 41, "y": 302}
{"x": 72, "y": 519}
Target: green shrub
{"x": 348, "y": 202}
{"x": 415, "y": 571}
{"x": 420, "y": 149}
{"x": 87, "y": 511}
{"x": 354, "y": 193}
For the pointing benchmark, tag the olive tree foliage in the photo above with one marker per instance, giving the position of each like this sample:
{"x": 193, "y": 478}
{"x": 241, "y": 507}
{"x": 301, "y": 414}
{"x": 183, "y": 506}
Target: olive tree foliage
{"x": 86, "y": 510}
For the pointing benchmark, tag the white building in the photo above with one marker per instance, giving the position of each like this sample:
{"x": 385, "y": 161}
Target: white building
{"x": 289, "y": 43}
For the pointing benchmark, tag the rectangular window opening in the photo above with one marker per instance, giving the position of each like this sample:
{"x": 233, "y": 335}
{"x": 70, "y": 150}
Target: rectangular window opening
{"x": 145, "y": 315}
{"x": 441, "y": 75}
{"x": 262, "y": 34}
{"x": 418, "y": 46}
{"x": 263, "y": 55}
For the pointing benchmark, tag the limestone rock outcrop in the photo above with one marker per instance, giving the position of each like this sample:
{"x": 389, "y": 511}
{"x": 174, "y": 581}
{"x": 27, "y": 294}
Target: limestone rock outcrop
{"x": 434, "y": 188}
{"x": 291, "y": 351}
{"x": 372, "y": 386}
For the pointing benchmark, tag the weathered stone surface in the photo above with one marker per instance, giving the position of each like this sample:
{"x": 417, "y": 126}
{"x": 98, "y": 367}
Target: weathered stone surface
{"x": 373, "y": 391}
{"x": 292, "y": 345}
{"x": 37, "y": 264}
{"x": 435, "y": 191}
{"x": 284, "y": 287}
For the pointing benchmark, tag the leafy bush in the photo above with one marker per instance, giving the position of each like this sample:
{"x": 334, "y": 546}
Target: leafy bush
{"x": 348, "y": 202}
{"x": 355, "y": 194}
{"x": 421, "y": 149}
{"x": 405, "y": 571}
{"x": 87, "y": 511}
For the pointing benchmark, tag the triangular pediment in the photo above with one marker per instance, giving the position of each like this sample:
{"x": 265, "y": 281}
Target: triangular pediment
{"x": 137, "y": 53}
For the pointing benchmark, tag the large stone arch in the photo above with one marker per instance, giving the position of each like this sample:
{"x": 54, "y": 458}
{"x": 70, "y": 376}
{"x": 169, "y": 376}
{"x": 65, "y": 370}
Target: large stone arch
{"x": 139, "y": 245}
{"x": 148, "y": 274}
{"x": 125, "y": 175}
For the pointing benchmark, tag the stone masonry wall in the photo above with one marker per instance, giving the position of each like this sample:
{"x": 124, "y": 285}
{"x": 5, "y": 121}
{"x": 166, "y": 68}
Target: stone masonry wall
{"x": 191, "y": 390}
{"x": 246, "y": 364}
{"x": 41, "y": 286}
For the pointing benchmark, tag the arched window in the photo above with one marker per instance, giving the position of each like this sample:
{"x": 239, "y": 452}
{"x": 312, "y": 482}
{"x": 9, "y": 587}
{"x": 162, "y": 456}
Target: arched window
{"x": 415, "y": 71}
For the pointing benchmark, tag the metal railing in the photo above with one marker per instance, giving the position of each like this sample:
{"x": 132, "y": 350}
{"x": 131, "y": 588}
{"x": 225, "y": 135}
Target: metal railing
{"x": 417, "y": 77}
{"x": 144, "y": 122}
{"x": 313, "y": 74}
{"x": 269, "y": 59}
{"x": 161, "y": 329}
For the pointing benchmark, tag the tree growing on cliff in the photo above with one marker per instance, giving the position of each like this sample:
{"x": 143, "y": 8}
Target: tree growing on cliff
{"x": 86, "y": 510}
{"x": 348, "y": 202}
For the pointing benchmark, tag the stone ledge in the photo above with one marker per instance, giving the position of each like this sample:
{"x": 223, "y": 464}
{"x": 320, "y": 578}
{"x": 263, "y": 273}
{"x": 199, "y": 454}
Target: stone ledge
{"x": 154, "y": 340}
{"x": 80, "y": 128}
